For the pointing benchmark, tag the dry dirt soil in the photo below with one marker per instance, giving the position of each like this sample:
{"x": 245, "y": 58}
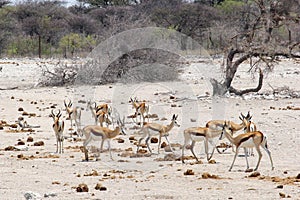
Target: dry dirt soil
{"x": 30, "y": 166}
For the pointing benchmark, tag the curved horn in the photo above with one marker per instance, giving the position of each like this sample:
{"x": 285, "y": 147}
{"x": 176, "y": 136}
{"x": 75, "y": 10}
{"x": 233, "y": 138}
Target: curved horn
{"x": 242, "y": 115}
{"x": 248, "y": 115}
{"x": 59, "y": 113}
{"x": 52, "y": 113}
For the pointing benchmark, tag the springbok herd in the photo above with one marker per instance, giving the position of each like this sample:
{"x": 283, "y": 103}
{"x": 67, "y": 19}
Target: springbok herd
{"x": 104, "y": 116}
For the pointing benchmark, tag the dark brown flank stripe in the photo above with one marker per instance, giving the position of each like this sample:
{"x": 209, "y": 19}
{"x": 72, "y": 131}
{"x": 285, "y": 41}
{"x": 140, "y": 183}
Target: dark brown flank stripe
{"x": 96, "y": 133}
{"x": 248, "y": 137}
{"x": 198, "y": 134}
{"x": 153, "y": 128}
{"x": 245, "y": 139}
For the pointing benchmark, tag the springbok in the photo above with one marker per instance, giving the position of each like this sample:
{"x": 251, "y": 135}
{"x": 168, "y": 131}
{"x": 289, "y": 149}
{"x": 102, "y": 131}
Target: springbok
{"x": 58, "y": 127}
{"x": 246, "y": 140}
{"x": 152, "y": 129}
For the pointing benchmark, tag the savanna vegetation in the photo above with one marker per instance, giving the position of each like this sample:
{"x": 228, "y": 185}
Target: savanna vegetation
{"x": 259, "y": 31}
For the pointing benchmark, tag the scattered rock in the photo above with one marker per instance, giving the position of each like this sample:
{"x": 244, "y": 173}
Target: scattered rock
{"x": 39, "y": 143}
{"x": 212, "y": 162}
{"x": 206, "y": 175}
{"x": 132, "y": 138}
{"x": 10, "y": 148}
{"x": 100, "y": 187}
{"x": 142, "y": 151}
{"x": 254, "y": 174}
{"x": 189, "y": 172}
{"x": 298, "y": 176}
{"x": 21, "y": 143}
{"x": 249, "y": 170}
{"x": 20, "y": 109}
{"x": 13, "y": 126}
{"x": 279, "y": 186}
{"x": 163, "y": 145}
{"x": 30, "y": 139}
{"x": 20, "y": 156}
{"x": 93, "y": 173}
{"x": 120, "y": 140}
{"x": 32, "y": 196}
{"x": 163, "y": 119}
{"x": 173, "y": 105}
{"x": 154, "y": 140}
{"x": 193, "y": 120}
{"x": 172, "y": 96}
{"x": 282, "y": 195}
{"x": 25, "y": 113}
{"x": 82, "y": 188}
{"x": 51, "y": 194}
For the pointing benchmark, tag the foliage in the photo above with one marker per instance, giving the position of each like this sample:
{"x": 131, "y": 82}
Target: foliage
{"x": 74, "y": 42}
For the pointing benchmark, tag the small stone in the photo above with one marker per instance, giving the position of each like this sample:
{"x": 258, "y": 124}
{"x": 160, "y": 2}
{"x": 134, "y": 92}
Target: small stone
{"x": 20, "y": 109}
{"x": 20, "y": 156}
{"x": 163, "y": 145}
{"x": 154, "y": 140}
{"x": 193, "y": 120}
{"x": 21, "y": 143}
{"x": 131, "y": 138}
{"x": 189, "y": 172}
{"x": 39, "y": 143}
{"x": 121, "y": 140}
{"x": 254, "y": 174}
{"x": 279, "y": 186}
{"x": 212, "y": 162}
{"x": 32, "y": 196}
{"x": 51, "y": 194}
{"x": 13, "y": 126}
{"x": 30, "y": 139}
{"x": 281, "y": 194}
{"x": 82, "y": 188}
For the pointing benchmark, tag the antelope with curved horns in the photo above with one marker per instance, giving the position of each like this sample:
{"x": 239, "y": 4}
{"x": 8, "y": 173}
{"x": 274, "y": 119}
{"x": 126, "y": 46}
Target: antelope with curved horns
{"x": 246, "y": 140}
{"x": 141, "y": 109}
{"x": 152, "y": 129}
{"x": 103, "y": 117}
{"x": 217, "y": 125}
{"x": 93, "y": 107}
{"x": 197, "y": 134}
{"x": 73, "y": 114}
{"x": 97, "y": 133}
{"x": 58, "y": 127}
{"x": 250, "y": 127}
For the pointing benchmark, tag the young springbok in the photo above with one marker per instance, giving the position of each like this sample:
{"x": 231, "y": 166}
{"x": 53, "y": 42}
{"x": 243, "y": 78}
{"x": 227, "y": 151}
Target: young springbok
{"x": 97, "y": 133}
{"x": 103, "y": 117}
{"x": 197, "y": 134}
{"x": 93, "y": 108}
{"x": 152, "y": 129}
{"x": 217, "y": 125}
{"x": 73, "y": 114}
{"x": 141, "y": 109}
{"x": 246, "y": 140}
{"x": 58, "y": 127}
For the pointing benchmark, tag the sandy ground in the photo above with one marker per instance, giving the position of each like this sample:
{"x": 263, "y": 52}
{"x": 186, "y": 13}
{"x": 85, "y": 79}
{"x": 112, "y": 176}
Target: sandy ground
{"x": 38, "y": 169}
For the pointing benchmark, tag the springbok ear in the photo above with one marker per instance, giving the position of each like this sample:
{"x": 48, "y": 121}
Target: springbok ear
{"x": 70, "y": 104}
{"x": 173, "y": 117}
{"x": 241, "y": 118}
{"x": 176, "y": 117}
{"x": 250, "y": 118}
